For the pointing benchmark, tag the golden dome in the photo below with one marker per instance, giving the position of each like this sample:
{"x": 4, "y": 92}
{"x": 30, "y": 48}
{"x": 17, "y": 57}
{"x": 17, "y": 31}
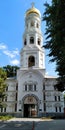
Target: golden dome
{"x": 33, "y": 10}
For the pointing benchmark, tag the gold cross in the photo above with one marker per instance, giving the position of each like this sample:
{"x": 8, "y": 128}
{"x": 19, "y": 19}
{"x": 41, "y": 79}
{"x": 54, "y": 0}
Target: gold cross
{"x": 32, "y": 4}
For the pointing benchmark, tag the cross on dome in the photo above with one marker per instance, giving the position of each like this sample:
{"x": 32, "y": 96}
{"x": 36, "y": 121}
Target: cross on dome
{"x": 32, "y": 4}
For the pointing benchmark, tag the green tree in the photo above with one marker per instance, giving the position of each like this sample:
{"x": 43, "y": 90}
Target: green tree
{"x": 3, "y": 86}
{"x": 11, "y": 70}
{"x": 54, "y": 16}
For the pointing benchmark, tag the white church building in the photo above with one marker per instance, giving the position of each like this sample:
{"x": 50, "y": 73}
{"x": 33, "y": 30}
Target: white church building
{"x": 31, "y": 93}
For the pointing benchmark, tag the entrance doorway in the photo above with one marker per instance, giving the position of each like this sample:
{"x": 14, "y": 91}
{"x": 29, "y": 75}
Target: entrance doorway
{"x": 30, "y": 110}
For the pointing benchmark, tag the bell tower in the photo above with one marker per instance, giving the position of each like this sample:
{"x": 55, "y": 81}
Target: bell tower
{"x": 32, "y": 54}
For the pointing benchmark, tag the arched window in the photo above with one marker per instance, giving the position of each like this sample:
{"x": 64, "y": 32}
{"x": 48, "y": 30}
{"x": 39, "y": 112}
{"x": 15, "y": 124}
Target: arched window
{"x": 31, "y": 40}
{"x": 39, "y": 41}
{"x": 31, "y": 61}
{"x": 25, "y": 42}
{"x": 32, "y": 24}
{"x": 37, "y": 25}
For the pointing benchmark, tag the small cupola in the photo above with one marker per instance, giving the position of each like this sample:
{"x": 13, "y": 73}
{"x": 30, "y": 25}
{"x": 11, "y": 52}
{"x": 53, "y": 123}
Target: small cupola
{"x": 33, "y": 10}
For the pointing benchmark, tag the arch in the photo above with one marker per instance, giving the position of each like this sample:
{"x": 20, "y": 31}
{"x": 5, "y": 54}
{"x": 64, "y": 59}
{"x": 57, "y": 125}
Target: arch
{"x": 31, "y": 40}
{"x": 30, "y": 105}
{"x": 31, "y": 61}
{"x": 32, "y": 23}
{"x": 30, "y": 95}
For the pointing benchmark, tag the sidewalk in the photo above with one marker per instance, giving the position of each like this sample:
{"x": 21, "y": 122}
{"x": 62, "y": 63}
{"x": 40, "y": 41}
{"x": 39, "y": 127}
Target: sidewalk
{"x": 29, "y": 119}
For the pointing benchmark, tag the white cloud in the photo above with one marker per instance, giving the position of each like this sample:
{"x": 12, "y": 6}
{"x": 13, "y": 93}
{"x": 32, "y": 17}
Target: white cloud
{"x": 7, "y": 52}
{"x": 3, "y": 46}
{"x": 11, "y": 54}
{"x": 16, "y": 51}
{"x": 14, "y": 62}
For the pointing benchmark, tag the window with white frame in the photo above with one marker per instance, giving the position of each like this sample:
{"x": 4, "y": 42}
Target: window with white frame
{"x": 30, "y": 87}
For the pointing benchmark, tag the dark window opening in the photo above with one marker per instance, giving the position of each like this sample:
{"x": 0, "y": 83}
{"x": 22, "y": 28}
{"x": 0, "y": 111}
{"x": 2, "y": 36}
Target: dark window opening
{"x": 16, "y": 86}
{"x": 44, "y": 96}
{"x": 43, "y": 86}
{"x": 7, "y": 88}
{"x": 25, "y": 42}
{"x": 31, "y": 40}
{"x": 1, "y": 109}
{"x": 38, "y": 41}
{"x": 31, "y": 61}
{"x": 32, "y": 24}
{"x": 56, "y": 109}
{"x": 5, "y": 99}
{"x": 59, "y": 109}
{"x": 4, "y": 109}
{"x": 37, "y": 25}
{"x": 55, "y": 98}
{"x": 16, "y": 97}
{"x": 25, "y": 87}
{"x": 58, "y": 98}
{"x": 15, "y": 107}
{"x": 44, "y": 107}
{"x": 34, "y": 87}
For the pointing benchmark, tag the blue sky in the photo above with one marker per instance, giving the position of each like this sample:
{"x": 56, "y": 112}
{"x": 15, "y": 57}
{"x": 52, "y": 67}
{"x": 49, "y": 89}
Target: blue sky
{"x": 12, "y": 16}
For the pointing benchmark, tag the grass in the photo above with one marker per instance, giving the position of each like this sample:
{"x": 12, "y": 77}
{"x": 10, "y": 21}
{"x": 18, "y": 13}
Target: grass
{"x": 4, "y": 118}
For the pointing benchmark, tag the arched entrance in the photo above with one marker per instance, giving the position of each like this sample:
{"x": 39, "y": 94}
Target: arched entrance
{"x": 31, "y": 61}
{"x": 30, "y": 106}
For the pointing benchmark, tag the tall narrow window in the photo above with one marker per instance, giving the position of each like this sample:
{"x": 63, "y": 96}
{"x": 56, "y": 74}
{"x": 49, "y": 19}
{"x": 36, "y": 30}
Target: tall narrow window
{"x": 32, "y": 24}
{"x": 59, "y": 109}
{"x": 58, "y": 98}
{"x": 43, "y": 86}
{"x": 31, "y": 40}
{"x": 34, "y": 87}
{"x": 44, "y": 107}
{"x": 26, "y": 87}
{"x": 15, "y": 107}
{"x": 31, "y": 61}
{"x": 7, "y": 88}
{"x": 1, "y": 109}
{"x": 55, "y": 98}
{"x": 44, "y": 96}
{"x": 16, "y": 97}
{"x": 56, "y": 109}
{"x": 5, "y": 109}
{"x": 37, "y": 25}
{"x": 6, "y": 99}
{"x": 30, "y": 87}
{"x": 25, "y": 42}
{"x": 38, "y": 41}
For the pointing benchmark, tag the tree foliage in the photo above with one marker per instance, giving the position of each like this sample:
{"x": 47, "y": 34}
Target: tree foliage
{"x": 54, "y": 16}
{"x": 3, "y": 85}
{"x": 11, "y": 70}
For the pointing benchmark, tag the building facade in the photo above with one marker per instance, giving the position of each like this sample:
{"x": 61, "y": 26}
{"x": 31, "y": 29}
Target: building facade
{"x": 32, "y": 92}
